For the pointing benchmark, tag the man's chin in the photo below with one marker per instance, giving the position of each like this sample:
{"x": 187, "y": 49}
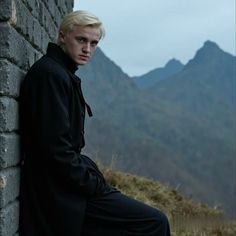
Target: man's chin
{"x": 81, "y": 63}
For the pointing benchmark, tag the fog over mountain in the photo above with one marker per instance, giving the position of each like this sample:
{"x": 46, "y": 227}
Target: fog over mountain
{"x": 177, "y": 125}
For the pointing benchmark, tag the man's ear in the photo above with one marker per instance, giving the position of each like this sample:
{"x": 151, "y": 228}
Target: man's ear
{"x": 61, "y": 37}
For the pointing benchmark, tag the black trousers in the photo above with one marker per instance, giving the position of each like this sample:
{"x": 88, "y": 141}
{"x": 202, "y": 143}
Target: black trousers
{"x": 115, "y": 214}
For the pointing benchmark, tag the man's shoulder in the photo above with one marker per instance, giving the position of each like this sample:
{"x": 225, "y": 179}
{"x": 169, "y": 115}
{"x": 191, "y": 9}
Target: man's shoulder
{"x": 47, "y": 65}
{"x": 47, "y": 68}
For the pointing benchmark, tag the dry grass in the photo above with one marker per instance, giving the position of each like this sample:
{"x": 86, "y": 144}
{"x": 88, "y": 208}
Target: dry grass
{"x": 187, "y": 217}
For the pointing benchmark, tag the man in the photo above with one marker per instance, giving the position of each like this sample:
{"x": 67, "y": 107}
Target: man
{"x": 63, "y": 193}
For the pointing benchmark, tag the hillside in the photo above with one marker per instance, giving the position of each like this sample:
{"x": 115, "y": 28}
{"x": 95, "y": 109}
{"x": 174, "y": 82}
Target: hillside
{"x": 180, "y": 131}
{"x": 186, "y": 216}
{"x": 204, "y": 92}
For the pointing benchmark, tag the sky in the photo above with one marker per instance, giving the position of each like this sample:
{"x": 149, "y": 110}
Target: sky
{"x": 142, "y": 35}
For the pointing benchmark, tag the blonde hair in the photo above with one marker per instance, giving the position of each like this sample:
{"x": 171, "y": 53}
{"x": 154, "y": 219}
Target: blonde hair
{"x": 83, "y": 18}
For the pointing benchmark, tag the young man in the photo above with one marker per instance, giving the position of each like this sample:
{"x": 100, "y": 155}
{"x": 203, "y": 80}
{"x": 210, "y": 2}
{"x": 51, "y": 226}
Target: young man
{"x": 63, "y": 193}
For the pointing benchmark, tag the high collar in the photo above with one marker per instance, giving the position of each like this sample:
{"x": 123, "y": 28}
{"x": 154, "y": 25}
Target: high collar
{"x": 57, "y": 54}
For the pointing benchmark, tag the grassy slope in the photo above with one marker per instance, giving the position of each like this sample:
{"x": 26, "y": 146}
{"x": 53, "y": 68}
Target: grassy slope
{"x": 187, "y": 217}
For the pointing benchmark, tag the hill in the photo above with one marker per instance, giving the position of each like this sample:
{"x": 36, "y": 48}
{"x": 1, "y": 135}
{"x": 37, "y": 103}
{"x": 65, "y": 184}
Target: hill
{"x": 172, "y": 67}
{"x": 204, "y": 92}
{"x": 180, "y": 131}
{"x": 186, "y": 216}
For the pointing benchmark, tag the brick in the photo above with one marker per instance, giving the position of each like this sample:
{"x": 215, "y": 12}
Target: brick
{"x": 10, "y": 78}
{"x": 47, "y": 21}
{"x": 44, "y": 40}
{"x": 24, "y": 22}
{"x": 15, "y": 48}
{"x": 57, "y": 17}
{"x": 9, "y": 150}
{"x": 8, "y": 10}
{"x": 9, "y": 185}
{"x": 28, "y": 25}
{"x": 33, "y": 6}
{"x": 36, "y": 35}
{"x": 69, "y": 5}
{"x": 8, "y": 114}
{"x": 9, "y": 219}
{"x": 50, "y": 5}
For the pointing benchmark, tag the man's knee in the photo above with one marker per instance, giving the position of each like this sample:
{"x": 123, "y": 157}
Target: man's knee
{"x": 162, "y": 223}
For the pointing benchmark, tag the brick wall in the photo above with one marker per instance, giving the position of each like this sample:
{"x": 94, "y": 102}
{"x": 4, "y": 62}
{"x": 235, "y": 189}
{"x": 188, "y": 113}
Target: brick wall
{"x": 25, "y": 29}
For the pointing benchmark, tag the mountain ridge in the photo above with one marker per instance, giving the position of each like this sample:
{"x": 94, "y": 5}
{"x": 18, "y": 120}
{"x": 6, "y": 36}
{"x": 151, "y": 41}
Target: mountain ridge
{"x": 178, "y": 131}
{"x": 172, "y": 67}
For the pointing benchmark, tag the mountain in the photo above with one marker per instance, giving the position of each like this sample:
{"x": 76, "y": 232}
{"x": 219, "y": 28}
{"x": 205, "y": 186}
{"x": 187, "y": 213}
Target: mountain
{"x": 103, "y": 79}
{"x": 204, "y": 92}
{"x": 180, "y": 130}
{"x": 147, "y": 80}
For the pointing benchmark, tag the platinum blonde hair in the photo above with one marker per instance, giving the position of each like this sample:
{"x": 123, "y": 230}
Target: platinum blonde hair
{"x": 82, "y": 18}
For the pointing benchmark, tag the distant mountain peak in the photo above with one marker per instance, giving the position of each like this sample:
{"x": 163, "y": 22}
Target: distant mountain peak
{"x": 209, "y": 52}
{"x": 172, "y": 67}
{"x": 210, "y": 46}
{"x": 173, "y": 63}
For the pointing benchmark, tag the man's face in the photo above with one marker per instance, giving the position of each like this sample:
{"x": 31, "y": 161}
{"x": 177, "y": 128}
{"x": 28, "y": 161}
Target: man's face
{"x": 80, "y": 43}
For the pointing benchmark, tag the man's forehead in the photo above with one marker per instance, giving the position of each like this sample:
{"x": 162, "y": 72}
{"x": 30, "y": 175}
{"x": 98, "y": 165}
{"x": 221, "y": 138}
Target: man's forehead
{"x": 87, "y": 31}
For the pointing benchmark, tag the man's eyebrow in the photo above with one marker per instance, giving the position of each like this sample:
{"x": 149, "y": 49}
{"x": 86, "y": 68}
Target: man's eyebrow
{"x": 81, "y": 37}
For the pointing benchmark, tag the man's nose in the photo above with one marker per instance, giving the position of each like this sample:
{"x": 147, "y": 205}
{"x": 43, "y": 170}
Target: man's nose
{"x": 87, "y": 47}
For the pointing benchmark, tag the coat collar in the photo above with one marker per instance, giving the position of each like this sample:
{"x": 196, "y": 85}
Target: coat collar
{"x": 57, "y": 54}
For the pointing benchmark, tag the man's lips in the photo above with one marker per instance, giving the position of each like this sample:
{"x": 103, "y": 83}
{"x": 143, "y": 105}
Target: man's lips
{"x": 83, "y": 57}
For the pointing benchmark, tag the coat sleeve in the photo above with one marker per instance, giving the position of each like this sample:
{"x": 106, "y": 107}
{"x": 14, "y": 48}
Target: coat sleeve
{"x": 49, "y": 103}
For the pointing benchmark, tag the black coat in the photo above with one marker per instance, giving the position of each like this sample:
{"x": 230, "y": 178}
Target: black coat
{"x": 56, "y": 178}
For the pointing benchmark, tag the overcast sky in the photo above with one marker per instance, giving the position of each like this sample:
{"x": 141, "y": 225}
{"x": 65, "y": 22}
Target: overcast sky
{"x": 144, "y": 34}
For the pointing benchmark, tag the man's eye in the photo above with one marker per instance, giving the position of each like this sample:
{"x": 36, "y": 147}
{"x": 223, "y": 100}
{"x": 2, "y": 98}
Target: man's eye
{"x": 94, "y": 44}
{"x": 81, "y": 40}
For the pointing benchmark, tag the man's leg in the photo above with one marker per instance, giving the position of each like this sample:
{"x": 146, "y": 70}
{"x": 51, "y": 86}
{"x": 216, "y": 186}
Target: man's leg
{"x": 115, "y": 214}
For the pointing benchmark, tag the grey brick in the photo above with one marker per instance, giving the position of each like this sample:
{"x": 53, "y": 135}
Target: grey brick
{"x": 50, "y": 5}
{"x": 28, "y": 24}
{"x": 9, "y": 219}
{"x": 44, "y": 40}
{"x": 36, "y": 36}
{"x": 9, "y": 150}
{"x": 8, "y": 114}
{"x": 6, "y": 10}
{"x": 69, "y": 5}
{"x": 9, "y": 185}
{"x": 57, "y": 17}
{"x": 10, "y": 78}
{"x": 24, "y": 22}
{"x": 53, "y": 32}
{"x": 33, "y": 6}
{"x": 14, "y": 47}
{"x": 42, "y": 9}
